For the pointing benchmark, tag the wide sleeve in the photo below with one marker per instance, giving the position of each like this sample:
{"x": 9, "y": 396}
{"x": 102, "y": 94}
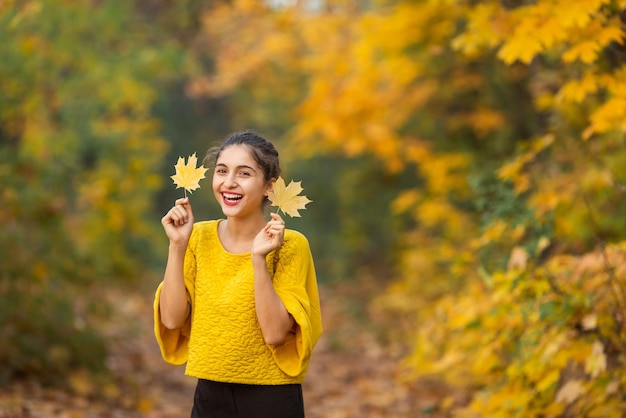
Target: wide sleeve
{"x": 174, "y": 343}
{"x": 295, "y": 283}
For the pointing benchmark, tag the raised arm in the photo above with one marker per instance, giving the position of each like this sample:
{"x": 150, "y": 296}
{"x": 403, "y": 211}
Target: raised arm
{"x": 178, "y": 224}
{"x": 273, "y": 317}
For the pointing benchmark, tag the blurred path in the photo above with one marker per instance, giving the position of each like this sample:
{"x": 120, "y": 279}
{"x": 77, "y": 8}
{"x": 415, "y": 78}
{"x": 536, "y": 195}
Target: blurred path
{"x": 351, "y": 374}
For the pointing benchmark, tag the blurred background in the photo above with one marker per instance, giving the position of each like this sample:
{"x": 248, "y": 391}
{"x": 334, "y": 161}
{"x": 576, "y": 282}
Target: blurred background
{"x": 467, "y": 166}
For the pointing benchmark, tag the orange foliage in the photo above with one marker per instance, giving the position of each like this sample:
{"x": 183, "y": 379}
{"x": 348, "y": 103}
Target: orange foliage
{"x": 542, "y": 333}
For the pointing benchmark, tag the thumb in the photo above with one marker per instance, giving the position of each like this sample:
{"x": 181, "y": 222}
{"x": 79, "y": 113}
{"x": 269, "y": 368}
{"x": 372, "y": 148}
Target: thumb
{"x": 276, "y": 217}
{"x": 187, "y": 206}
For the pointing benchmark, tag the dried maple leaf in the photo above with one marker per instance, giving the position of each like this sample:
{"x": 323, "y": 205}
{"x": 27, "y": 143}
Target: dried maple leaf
{"x": 187, "y": 175}
{"x": 286, "y": 198}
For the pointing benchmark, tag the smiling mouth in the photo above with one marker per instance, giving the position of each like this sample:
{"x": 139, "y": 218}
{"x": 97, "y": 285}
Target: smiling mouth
{"x": 232, "y": 197}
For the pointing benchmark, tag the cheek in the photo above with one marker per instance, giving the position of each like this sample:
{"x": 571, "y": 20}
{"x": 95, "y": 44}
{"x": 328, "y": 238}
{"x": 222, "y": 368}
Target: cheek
{"x": 216, "y": 184}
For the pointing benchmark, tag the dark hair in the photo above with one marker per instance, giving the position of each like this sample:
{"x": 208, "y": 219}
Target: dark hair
{"x": 262, "y": 150}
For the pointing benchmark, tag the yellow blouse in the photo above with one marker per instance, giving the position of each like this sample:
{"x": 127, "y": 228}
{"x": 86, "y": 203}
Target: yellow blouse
{"x": 222, "y": 339}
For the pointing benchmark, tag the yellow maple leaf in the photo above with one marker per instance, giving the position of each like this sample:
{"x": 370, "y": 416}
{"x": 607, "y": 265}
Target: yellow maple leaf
{"x": 187, "y": 175}
{"x": 286, "y": 197}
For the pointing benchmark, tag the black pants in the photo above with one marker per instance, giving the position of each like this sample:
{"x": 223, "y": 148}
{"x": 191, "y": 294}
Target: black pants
{"x": 231, "y": 400}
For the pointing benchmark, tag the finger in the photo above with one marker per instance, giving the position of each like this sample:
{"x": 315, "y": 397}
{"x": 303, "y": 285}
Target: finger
{"x": 179, "y": 215}
{"x": 276, "y": 229}
{"x": 182, "y": 201}
{"x": 187, "y": 205}
{"x": 276, "y": 217}
{"x": 275, "y": 226}
{"x": 167, "y": 219}
{"x": 280, "y": 224}
{"x": 173, "y": 217}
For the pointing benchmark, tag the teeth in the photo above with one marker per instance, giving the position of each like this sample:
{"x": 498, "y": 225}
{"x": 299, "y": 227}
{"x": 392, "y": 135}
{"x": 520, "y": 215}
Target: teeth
{"x": 231, "y": 196}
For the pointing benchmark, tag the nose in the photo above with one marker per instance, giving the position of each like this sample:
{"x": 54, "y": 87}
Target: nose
{"x": 230, "y": 181}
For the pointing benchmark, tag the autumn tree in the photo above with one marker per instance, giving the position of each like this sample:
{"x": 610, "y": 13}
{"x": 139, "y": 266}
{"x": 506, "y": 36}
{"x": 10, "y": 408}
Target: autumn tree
{"x": 510, "y": 120}
{"x": 80, "y": 154}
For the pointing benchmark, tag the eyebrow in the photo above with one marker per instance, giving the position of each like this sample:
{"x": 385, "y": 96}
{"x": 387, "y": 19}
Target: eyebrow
{"x": 238, "y": 167}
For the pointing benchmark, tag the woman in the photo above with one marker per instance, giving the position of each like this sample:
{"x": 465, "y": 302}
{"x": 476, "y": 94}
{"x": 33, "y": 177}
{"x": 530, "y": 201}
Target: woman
{"x": 239, "y": 301}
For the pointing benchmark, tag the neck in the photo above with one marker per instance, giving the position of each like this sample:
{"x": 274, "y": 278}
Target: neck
{"x": 244, "y": 229}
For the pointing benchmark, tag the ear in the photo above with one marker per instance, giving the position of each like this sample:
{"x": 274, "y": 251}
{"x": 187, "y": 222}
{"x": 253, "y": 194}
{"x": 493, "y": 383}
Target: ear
{"x": 270, "y": 186}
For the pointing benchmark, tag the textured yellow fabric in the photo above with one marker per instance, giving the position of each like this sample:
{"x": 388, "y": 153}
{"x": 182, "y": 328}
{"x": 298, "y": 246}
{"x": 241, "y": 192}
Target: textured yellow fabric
{"x": 222, "y": 339}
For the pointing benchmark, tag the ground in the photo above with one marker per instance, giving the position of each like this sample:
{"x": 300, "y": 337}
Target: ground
{"x": 355, "y": 371}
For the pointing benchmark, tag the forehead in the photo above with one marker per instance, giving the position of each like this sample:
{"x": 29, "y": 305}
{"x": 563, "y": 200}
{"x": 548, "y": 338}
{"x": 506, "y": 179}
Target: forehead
{"x": 236, "y": 155}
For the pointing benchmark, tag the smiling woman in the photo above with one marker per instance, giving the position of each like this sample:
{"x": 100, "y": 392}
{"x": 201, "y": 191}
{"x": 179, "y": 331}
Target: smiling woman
{"x": 238, "y": 186}
{"x": 239, "y": 300}
{"x": 260, "y": 159}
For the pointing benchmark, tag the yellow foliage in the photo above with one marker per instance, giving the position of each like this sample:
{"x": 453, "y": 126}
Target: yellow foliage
{"x": 585, "y": 51}
{"x": 482, "y": 120}
{"x": 596, "y": 361}
{"x": 596, "y": 179}
{"x": 405, "y": 201}
{"x": 609, "y": 116}
{"x": 484, "y": 30}
{"x": 577, "y": 32}
{"x": 522, "y": 48}
{"x": 577, "y": 90}
{"x": 514, "y": 169}
{"x": 539, "y": 27}
{"x": 537, "y": 336}
{"x": 513, "y": 315}
{"x": 589, "y": 42}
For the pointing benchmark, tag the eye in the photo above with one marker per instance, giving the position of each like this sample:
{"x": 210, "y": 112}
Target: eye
{"x": 220, "y": 170}
{"x": 244, "y": 173}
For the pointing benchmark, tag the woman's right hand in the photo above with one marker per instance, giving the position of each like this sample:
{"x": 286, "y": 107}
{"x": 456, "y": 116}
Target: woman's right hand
{"x": 178, "y": 222}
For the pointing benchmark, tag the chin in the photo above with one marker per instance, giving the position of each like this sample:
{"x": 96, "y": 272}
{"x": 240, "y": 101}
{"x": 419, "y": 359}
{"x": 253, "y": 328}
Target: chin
{"x": 230, "y": 211}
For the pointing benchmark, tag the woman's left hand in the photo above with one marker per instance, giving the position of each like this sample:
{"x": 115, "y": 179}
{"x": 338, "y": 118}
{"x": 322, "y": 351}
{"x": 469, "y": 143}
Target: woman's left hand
{"x": 270, "y": 237}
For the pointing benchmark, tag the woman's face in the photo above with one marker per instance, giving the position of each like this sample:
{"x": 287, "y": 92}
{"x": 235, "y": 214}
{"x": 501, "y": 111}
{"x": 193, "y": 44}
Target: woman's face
{"x": 239, "y": 183}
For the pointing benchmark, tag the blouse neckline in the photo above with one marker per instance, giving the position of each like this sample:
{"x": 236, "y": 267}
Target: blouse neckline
{"x": 219, "y": 240}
